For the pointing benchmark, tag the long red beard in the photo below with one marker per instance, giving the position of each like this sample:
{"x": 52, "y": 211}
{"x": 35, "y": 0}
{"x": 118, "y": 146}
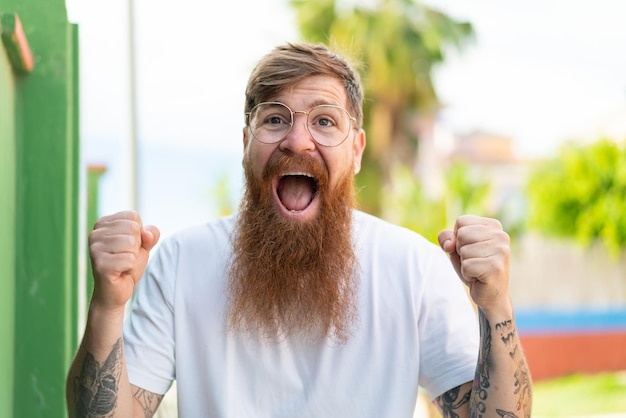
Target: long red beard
{"x": 292, "y": 278}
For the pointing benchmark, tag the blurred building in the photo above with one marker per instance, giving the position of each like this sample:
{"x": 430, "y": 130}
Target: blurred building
{"x": 491, "y": 157}
{"x": 484, "y": 148}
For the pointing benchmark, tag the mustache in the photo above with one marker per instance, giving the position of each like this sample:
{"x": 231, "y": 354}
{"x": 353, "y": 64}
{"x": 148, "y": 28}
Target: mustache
{"x": 283, "y": 163}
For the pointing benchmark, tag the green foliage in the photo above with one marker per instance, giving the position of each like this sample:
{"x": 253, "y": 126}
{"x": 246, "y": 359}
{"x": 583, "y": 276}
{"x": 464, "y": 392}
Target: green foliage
{"x": 469, "y": 191}
{"x": 407, "y": 204}
{"x": 582, "y": 194}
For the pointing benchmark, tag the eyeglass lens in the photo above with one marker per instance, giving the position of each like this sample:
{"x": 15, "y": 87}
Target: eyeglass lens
{"x": 329, "y": 125}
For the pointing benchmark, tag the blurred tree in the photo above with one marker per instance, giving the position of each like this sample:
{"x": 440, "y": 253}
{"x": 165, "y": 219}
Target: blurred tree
{"x": 465, "y": 193}
{"x": 398, "y": 42}
{"x": 582, "y": 194}
{"x": 411, "y": 207}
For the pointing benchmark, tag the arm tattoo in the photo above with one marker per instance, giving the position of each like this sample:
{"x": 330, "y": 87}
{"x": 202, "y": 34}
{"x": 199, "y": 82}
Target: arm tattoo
{"x": 508, "y": 335}
{"x": 506, "y": 414}
{"x": 148, "y": 401}
{"x": 96, "y": 387}
{"x": 523, "y": 386}
{"x": 450, "y": 401}
{"x": 521, "y": 375}
{"x": 481, "y": 380}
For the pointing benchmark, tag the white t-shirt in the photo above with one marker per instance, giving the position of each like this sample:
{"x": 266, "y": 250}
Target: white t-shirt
{"x": 416, "y": 328}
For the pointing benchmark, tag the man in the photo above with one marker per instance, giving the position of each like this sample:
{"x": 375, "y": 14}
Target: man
{"x": 300, "y": 305}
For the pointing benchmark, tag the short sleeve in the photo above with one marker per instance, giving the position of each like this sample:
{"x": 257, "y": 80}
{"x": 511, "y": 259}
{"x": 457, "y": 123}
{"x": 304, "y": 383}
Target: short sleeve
{"x": 449, "y": 335}
{"x": 149, "y": 326}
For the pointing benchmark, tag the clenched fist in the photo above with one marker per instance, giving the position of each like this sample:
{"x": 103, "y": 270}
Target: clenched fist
{"x": 119, "y": 247}
{"x": 479, "y": 250}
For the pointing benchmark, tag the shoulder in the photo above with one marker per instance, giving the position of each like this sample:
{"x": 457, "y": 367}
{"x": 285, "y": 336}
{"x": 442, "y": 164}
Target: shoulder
{"x": 190, "y": 255}
{"x": 214, "y": 232}
{"x": 371, "y": 229}
{"x": 399, "y": 249}
{"x": 216, "y": 228}
{"x": 193, "y": 246}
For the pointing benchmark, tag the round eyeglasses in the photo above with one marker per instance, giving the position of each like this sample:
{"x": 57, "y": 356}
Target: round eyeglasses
{"x": 329, "y": 125}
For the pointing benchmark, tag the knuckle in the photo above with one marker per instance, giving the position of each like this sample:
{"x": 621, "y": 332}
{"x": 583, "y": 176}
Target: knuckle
{"x": 460, "y": 251}
{"x": 95, "y": 247}
{"x": 129, "y": 242}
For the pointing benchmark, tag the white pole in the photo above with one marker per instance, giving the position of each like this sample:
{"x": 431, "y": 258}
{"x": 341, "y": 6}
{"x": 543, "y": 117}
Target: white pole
{"x": 132, "y": 147}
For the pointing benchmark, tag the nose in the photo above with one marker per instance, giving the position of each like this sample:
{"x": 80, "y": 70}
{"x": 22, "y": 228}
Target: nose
{"x": 298, "y": 139}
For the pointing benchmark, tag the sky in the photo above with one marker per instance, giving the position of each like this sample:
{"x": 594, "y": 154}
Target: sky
{"x": 538, "y": 71}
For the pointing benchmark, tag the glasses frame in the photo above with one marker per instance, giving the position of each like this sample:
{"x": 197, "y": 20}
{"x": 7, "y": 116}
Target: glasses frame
{"x": 293, "y": 121}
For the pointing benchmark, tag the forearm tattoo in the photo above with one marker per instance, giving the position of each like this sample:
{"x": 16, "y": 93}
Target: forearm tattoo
{"x": 148, "y": 401}
{"x": 481, "y": 380}
{"x": 508, "y": 336}
{"x": 95, "y": 389}
{"x": 522, "y": 375}
{"x": 451, "y": 401}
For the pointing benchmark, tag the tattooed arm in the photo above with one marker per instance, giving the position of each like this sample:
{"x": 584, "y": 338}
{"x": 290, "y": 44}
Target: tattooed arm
{"x": 502, "y": 387}
{"x": 97, "y": 383}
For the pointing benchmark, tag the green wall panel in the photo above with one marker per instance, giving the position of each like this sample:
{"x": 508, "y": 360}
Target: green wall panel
{"x": 45, "y": 210}
{"x": 7, "y": 233}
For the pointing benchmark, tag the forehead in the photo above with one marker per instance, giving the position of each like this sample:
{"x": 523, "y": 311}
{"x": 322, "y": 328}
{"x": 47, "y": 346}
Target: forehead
{"x": 312, "y": 91}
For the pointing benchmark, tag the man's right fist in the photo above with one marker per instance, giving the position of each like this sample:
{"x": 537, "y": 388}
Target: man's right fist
{"x": 119, "y": 246}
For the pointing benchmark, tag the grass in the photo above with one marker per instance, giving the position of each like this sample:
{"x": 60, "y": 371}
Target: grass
{"x": 580, "y": 395}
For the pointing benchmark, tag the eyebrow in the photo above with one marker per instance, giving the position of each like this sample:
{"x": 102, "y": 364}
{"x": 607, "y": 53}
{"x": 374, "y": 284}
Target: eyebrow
{"x": 316, "y": 102}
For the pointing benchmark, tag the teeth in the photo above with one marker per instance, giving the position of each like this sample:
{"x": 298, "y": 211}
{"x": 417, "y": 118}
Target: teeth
{"x": 298, "y": 174}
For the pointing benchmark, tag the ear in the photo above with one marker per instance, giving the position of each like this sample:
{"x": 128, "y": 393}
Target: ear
{"x": 358, "y": 147}
{"x": 245, "y": 137}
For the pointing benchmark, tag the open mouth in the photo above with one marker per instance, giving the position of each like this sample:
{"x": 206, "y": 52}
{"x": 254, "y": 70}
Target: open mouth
{"x": 297, "y": 191}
